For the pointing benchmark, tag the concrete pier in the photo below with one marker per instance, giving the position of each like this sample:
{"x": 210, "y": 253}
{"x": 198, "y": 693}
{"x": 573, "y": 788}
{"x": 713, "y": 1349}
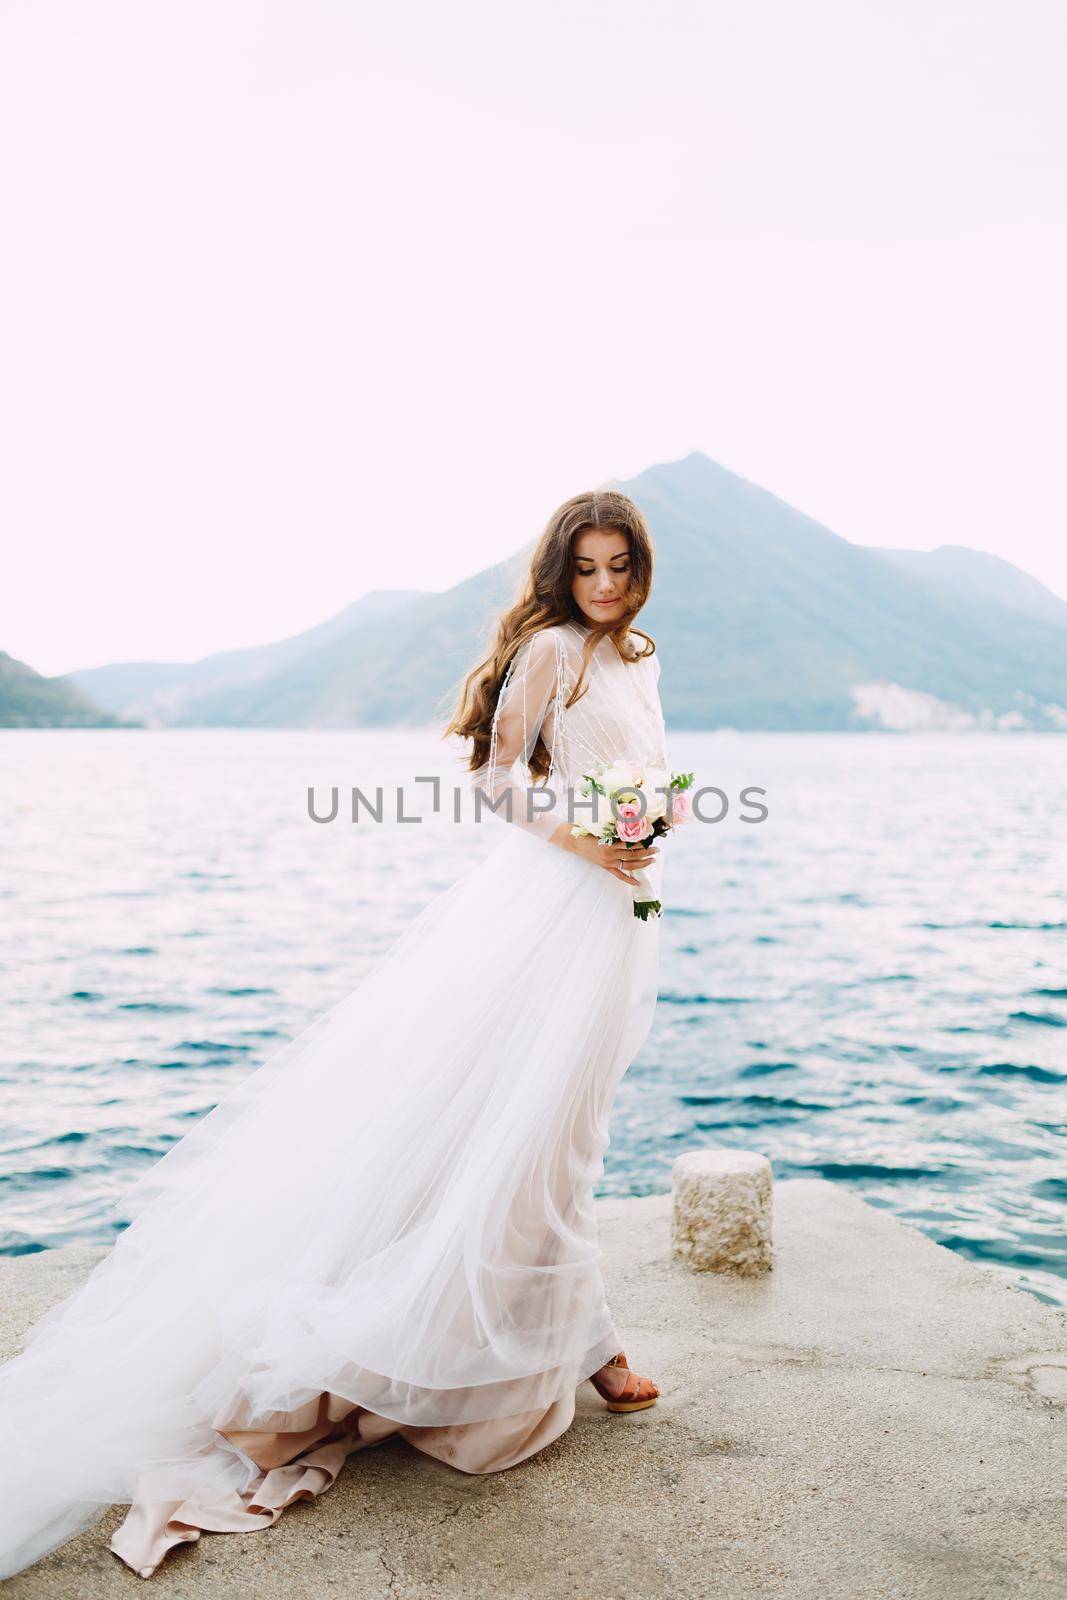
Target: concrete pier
{"x": 872, "y": 1418}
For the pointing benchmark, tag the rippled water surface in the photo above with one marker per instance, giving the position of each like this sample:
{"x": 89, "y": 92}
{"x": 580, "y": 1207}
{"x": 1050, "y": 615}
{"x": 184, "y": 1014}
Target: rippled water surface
{"x": 870, "y": 986}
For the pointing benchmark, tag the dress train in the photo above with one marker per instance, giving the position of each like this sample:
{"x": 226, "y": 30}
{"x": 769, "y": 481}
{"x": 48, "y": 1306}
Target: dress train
{"x": 388, "y": 1228}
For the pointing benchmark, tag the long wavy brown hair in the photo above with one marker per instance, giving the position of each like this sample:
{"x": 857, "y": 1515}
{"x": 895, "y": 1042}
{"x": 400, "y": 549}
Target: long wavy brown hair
{"x": 544, "y": 599}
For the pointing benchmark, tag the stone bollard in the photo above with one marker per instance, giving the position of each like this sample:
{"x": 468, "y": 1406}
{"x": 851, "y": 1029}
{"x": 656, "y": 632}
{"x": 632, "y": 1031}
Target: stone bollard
{"x": 721, "y": 1216}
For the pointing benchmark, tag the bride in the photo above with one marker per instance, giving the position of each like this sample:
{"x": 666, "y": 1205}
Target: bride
{"x": 389, "y": 1228}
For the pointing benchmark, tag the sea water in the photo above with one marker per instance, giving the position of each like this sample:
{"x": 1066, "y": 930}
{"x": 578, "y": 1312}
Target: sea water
{"x": 866, "y": 984}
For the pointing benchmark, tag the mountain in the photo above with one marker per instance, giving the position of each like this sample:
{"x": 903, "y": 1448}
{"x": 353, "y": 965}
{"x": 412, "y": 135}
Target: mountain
{"x": 766, "y": 619}
{"x": 168, "y": 693}
{"x": 960, "y": 571}
{"x": 29, "y": 701}
{"x": 777, "y": 622}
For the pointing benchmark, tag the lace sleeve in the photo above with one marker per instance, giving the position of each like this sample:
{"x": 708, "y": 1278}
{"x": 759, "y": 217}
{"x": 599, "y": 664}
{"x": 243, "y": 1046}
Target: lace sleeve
{"x": 526, "y": 707}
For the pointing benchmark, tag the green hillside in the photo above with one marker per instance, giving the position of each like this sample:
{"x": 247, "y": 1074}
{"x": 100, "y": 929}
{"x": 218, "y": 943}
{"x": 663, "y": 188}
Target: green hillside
{"x": 27, "y": 700}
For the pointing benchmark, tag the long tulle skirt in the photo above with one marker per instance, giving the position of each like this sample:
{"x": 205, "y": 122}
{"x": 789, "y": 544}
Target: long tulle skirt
{"x": 388, "y": 1228}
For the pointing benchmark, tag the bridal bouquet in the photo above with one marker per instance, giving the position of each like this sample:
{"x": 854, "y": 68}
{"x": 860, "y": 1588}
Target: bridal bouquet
{"x": 648, "y": 802}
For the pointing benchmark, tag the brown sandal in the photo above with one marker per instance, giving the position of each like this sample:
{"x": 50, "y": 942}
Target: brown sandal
{"x": 616, "y": 1402}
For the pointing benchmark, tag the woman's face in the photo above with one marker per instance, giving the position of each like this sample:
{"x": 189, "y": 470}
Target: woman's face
{"x": 601, "y": 574}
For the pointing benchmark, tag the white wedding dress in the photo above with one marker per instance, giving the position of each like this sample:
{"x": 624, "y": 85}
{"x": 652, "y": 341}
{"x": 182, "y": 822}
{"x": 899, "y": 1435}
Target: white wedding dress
{"x": 387, "y": 1228}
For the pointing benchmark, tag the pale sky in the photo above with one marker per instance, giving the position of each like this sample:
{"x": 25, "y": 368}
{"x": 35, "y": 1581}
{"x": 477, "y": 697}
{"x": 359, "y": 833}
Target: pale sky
{"x": 304, "y": 299}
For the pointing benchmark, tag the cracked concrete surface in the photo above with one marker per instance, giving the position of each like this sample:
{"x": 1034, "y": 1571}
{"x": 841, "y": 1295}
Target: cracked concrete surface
{"x": 874, "y": 1417}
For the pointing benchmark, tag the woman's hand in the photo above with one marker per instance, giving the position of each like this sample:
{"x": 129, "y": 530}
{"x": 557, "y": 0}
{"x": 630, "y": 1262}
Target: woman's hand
{"x": 612, "y": 857}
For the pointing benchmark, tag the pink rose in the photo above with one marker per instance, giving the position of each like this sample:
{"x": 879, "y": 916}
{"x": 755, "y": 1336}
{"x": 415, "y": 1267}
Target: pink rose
{"x": 631, "y": 825}
{"x": 681, "y": 811}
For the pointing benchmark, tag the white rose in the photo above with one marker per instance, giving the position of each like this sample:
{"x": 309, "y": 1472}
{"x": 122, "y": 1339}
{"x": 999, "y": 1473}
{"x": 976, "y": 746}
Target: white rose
{"x": 618, "y": 776}
{"x": 656, "y": 779}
